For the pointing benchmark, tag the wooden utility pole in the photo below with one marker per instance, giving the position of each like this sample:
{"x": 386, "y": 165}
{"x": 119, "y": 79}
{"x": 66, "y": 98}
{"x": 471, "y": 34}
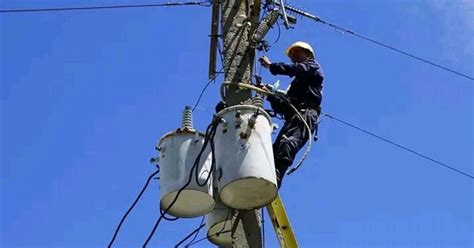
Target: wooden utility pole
{"x": 239, "y": 21}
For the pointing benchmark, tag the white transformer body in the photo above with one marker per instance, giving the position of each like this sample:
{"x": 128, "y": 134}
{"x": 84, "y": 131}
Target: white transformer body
{"x": 219, "y": 225}
{"x": 178, "y": 151}
{"x": 244, "y": 156}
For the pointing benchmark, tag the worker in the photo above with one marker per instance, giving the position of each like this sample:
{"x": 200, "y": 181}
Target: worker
{"x": 304, "y": 93}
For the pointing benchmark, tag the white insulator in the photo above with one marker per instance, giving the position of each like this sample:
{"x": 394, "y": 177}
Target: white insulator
{"x": 219, "y": 225}
{"x": 245, "y": 158}
{"x": 178, "y": 151}
{"x": 187, "y": 122}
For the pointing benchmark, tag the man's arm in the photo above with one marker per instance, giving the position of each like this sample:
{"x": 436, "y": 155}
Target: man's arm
{"x": 295, "y": 69}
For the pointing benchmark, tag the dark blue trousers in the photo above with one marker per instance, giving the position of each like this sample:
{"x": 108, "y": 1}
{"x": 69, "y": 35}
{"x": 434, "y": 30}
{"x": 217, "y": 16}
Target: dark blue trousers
{"x": 292, "y": 137}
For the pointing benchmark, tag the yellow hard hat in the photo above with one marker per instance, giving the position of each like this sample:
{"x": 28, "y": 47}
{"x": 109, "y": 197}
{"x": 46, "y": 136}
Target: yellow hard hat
{"x": 300, "y": 44}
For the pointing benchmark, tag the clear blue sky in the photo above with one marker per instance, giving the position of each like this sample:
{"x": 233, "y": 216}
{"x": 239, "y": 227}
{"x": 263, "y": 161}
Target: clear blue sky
{"x": 85, "y": 96}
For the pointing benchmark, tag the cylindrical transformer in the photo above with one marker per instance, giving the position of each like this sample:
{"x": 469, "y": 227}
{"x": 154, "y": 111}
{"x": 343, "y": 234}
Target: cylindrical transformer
{"x": 244, "y": 156}
{"x": 219, "y": 225}
{"x": 178, "y": 151}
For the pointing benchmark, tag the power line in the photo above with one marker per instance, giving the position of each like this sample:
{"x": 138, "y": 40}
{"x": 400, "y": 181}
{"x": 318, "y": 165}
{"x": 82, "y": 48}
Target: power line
{"x": 213, "y": 79}
{"x": 395, "y": 49}
{"x": 169, "y": 4}
{"x": 131, "y": 207}
{"x": 399, "y": 146}
{"x": 345, "y": 30}
{"x": 207, "y": 237}
{"x": 195, "y": 232}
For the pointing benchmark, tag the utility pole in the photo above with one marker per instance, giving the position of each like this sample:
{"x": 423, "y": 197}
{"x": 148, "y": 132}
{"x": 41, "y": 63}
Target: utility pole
{"x": 240, "y": 19}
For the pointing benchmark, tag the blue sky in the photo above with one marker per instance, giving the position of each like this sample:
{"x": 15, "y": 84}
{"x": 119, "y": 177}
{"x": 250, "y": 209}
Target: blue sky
{"x": 85, "y": 96}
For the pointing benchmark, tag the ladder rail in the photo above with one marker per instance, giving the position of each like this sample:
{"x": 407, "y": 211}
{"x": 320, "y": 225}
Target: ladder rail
{"x": 281, "y": 224}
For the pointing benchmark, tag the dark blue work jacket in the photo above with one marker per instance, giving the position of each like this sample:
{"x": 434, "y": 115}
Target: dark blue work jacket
{"x": 306, "y": 89}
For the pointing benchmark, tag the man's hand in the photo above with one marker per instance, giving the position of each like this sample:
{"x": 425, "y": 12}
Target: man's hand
{"x": 265, "y": 62}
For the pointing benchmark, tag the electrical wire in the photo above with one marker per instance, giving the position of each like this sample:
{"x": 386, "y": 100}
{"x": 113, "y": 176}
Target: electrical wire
{"x": 167, "y": 218}
{"x": 213, "y": 79}
{"x": 131, "y": 207}
{"x": 399, "y": 146}
{"x": 212, "y": 134}
{"x": 394, "y": 49}
{"x": 308, "y": 148}
{"x": 279, "y": 34}
{"x": 204, "y": 110}
{"x": 153, "y": 231}
{"x": 318, "y": 19}
{"x": 211, "y": 128}
{"x": 227, "y": 218}
{"x": 202, "y": 3}
{"x": 216, "y": 234}
{"x": 207, "y": 237}
{"x": 219, "y": 49}
{"x": 195, "y": 232}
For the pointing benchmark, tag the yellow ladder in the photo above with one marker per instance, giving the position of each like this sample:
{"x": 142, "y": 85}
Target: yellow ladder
{"x": 281, "y": 224}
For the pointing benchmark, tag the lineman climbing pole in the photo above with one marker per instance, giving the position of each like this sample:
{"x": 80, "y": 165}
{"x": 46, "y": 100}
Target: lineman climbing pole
{"x": 239, "y": 21}
{"x": 240, "y": 30}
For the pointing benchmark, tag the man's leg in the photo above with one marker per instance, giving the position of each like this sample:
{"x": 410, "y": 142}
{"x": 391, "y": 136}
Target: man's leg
{"x": 292, "y": 137}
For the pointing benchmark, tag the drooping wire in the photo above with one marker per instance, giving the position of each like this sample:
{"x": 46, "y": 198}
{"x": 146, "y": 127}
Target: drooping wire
{"x": 131, "y": 207}
{"x": 166, "y": 217}
{"x": 219, "y": 49}
{"x": 394, "y": 49}
{"x": 207, "y": 237}
{"x": 399, "y": 146}
{"x": 211, "y": 128}
{"x": 204, "y": 110}
{"x": 153, "y": 230}
{"x": 279, "y": 34}
{"x": 202, "y": 3}
{"x": 212, "y": 134}
{"x": 213, "y": 79}
{"x": 227, "y": 218}
{"x": 195, "y": 232}
{"x": 216, "y": 234}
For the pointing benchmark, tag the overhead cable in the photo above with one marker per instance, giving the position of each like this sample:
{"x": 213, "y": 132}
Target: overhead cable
{"x": 207, "y": 237}
{"x": 399, "y": 146}
{"x": 169, "y": 4}
{"x": 195, "y": 232}
{"x": 212, "y": 79}
{"x": 131, "y": 207}
{"x": 345, "y": 30}
{"x": 395, "y": 49}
